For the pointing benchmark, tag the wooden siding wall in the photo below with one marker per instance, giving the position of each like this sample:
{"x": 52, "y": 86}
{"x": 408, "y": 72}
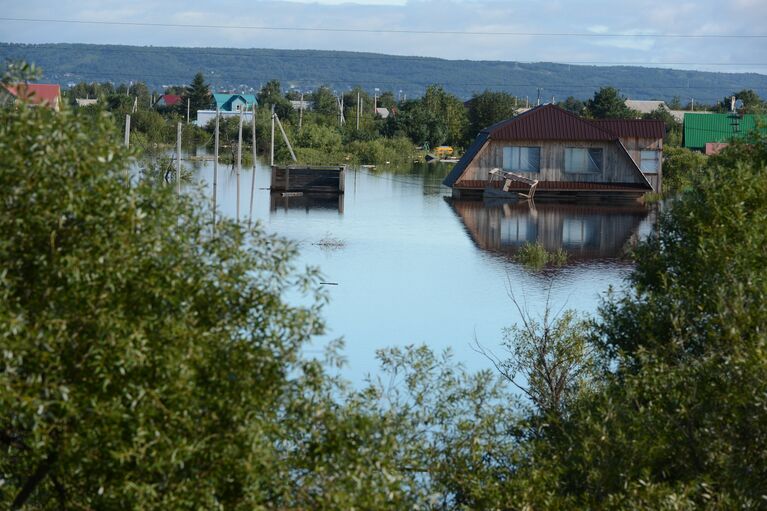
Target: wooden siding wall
{"x": 617, "y": 167}
{"x": 308, "y": 179}
{"x": 635, "y": 145}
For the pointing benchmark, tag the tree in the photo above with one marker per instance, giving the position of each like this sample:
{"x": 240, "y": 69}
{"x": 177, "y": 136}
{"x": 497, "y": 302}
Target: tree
{"x": 435, "y": 119}
{"x": 752, "y": 103}
{"x": 198, "y": 93}
{"x": 550, "y": 359}
{"x": 607, "y": 103}
{"x": 679, "y": 414}
{"x": 571, "y": 104}
{"x": 489, "y": 108}
{"x": 680, "y": 166}
{"x": 673, "y": 128}
{"x": 144, "y": 359}
{"x": 271, "y": 95}
{"x": 325, "y": 103}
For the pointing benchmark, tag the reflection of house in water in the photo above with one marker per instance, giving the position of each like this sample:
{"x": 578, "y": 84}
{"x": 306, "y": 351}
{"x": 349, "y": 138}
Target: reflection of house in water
{"x": 322, "y": 201}
{"x": 584, "y": 231}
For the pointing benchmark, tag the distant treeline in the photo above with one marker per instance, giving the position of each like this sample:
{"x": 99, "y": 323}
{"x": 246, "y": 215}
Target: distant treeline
{"x": 229, "y": 68}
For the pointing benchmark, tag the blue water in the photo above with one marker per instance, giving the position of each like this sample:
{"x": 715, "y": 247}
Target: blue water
{"x": 412, "y": 266}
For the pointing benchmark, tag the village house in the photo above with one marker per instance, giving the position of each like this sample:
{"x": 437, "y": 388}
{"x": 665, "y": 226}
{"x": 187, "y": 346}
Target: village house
{"x": 228, "y": 105}
{"x": 570, "y": 157}
{"x": 710, "y": 133}
{"x": 167, "y": 100}
{"x": 48, "y": 94}
{"x": 649, "y": 106}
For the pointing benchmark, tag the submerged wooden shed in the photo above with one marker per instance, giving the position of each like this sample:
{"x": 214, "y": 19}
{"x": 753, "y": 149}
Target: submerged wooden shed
{"x": 569, "y": 156}
{"x": 308, "y": 178}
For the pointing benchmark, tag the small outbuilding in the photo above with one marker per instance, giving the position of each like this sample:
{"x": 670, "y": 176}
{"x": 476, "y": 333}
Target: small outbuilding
{"x": 569, "y": 156}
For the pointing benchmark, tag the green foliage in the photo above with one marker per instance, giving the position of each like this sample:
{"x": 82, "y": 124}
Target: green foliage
{"x": 143, "y": 359}
{"x": 574, "y": 105}
{"x": 270, "y": 96}
{"x": 435, "y": 119}
{"x": 535, "y": 255}
{"x": 549, "y": 359}
{"x": 325, "y": 102}
{"x": 682, "y": 413}
{"x": 198, "y": 94}
{"x": 607, "y": 103}
{"x": 662, "y": 114}
{"x": 489, "y": 108}
{"x": 680, "y": 166}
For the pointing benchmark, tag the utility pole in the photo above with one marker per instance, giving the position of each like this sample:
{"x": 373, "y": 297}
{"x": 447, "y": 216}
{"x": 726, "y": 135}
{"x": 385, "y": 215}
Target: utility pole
{"x": 239, "y": 161}
{"x": 300, "y": 112}
{"x": 253, "y": 176}
{"x": 358, "y": 110}
{"x": 538, "y": 102}
{"x": 127, "y": 130}
{"x": 187, "y": 110}
{"x": 178, "y": 159}
{"x": 271, "y": 155}
{"x": 215, "y": 168}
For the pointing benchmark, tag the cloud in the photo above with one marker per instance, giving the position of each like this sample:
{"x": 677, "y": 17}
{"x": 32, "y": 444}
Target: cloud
{"x": 419, "y": 19}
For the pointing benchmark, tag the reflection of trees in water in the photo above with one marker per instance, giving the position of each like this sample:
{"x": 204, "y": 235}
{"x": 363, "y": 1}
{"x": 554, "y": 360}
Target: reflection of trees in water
{"x": 584, "y": 231}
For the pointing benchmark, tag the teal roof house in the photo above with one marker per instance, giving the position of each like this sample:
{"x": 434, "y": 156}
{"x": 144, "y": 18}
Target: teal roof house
{"x": 234, "y": 102}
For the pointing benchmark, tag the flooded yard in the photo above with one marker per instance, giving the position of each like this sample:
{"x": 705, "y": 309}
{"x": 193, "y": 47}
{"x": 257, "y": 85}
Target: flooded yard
{"x": 413, "y": 265}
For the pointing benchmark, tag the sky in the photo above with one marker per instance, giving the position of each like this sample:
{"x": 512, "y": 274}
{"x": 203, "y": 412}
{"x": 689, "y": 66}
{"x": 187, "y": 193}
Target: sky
{"x": 608, "y": 31}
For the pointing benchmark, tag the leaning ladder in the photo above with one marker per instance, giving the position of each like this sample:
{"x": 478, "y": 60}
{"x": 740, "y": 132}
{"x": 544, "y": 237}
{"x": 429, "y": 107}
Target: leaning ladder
{"x": 510, "y": 177}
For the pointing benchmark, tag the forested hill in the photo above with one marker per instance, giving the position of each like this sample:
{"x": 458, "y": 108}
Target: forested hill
{"x": 229, "y": 68}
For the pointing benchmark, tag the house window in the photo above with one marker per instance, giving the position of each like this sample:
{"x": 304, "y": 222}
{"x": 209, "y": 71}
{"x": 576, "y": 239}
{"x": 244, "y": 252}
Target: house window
{"x": 649, "y": 161}
{"x": 583, "y": 160}
{"x": 522, "y": 159}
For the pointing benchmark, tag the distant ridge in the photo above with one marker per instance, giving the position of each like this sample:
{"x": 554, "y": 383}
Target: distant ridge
{"x": 235, "y": 68}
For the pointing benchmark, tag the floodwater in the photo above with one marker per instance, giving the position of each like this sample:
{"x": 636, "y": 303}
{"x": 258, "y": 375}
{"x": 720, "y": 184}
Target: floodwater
{"x": 413, "y": 266}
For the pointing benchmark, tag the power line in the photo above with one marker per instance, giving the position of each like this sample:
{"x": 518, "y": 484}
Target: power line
{"x": 385, "y": 31}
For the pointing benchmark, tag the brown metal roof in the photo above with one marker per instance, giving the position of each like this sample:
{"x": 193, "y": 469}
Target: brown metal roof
{"x": 548, "y": 122}
{"x": 633, "y": 128}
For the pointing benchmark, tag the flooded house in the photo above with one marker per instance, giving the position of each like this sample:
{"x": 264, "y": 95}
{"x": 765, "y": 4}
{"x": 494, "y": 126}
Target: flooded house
{"x": 572, "y": 158}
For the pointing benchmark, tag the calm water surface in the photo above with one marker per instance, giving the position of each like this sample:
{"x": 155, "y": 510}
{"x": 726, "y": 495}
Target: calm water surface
{"x": 417, "y": 267}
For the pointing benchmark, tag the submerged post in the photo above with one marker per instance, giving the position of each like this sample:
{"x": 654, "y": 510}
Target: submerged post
{"x": 215, "y": 167}
{"x": 239, "y": 161}
{"x": 178, "y": 158}
{"x": 253, "y": 176}
{"x": 301, "y": 111}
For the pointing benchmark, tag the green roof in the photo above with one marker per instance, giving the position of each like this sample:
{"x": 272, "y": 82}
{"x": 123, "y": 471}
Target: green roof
{"x": 699, "y": 128}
